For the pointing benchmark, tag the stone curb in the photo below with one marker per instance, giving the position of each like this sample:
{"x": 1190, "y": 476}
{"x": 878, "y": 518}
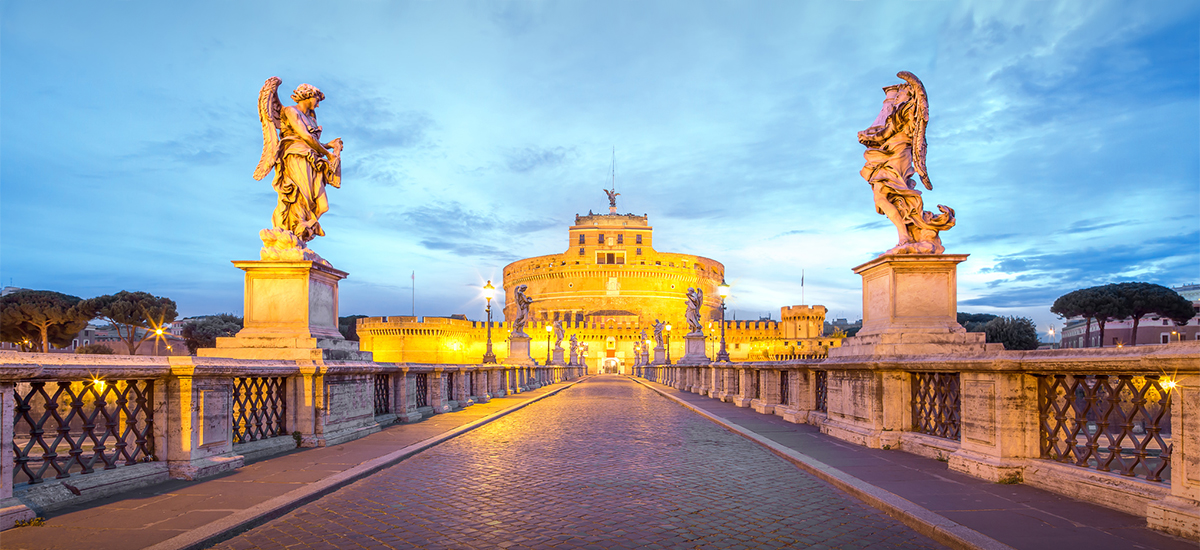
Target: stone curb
{"x": 919, "y": 518}
{"x": 239, "y": 522}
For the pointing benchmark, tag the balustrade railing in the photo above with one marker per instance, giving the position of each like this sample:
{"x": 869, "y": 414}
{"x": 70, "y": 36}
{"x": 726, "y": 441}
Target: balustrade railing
{"x": 449, "y": 378}
{"x": 422, "y": 383}
{"x": 259, "y": 408}
{"x": 757, "y": 384}
{"x": 936, "y": 408}
{"x": 821, "y": 387}
{"x": 784, "y": 396}
{"x": 383, "y": 393}
{"x": 1116, "y": 423}
{"x": 106, "y": 424}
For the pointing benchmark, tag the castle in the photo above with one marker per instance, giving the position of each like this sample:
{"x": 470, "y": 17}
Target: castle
{"x": 606, "y": 288}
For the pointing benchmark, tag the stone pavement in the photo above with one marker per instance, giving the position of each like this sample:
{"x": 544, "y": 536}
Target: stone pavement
{"x": 604, "y": 464}
{"x": 1020, "y": 516}
{"x": 156, "y": 514}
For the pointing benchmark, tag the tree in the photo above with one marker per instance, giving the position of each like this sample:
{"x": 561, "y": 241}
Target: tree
{"x": 1013, "y": 332}
{"x": 1101, "y": 303}
{"x": 94, "y": 349}
{"x": 348, "y": 326}
{"x": 974, "y": 322}
{"x": 34, "y": 319}
{"x": 1143, "y": 299}
{"x": 130, "y": 311}
{"x": 203, "y": 332}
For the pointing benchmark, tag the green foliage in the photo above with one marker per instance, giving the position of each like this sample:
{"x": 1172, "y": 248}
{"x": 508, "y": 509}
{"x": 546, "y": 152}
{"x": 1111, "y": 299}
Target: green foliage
{"x": 1012, "y": 478}
{"x": 94, "y": 349}
{"x": 203, "y": 332}
{"x": 1123, "y": 300}
{"x": 35, "y": 319}
{"x": 348, "y": 326}
{"x": 974, "y": 322}
{"x": 130, "y": 311}
{"x": 1013, "y": 332}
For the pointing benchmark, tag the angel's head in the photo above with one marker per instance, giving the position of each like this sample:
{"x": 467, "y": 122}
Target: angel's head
{"x": 307, "y": 91}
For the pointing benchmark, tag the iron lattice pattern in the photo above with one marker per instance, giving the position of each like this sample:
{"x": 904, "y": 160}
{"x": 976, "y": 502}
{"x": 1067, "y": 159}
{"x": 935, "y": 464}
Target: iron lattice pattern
{"x": 259, "y": 408}
{"x": 422, "y": 389}
{"x": 936, "y": 408}
{"x": 737, "y": 383}
{"x": 783, "y": 388}
{"x": 106, "y": 423}
{"x": 821, "y": 381}
{"x": 383, "y": 394}
{"x": 1109, "y": 423}
{"x": 449, "y": 378}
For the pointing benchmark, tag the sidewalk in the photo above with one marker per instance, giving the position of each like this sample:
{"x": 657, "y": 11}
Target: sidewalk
{"x": 924, "y": 494}
{"x": 192, "y": 514}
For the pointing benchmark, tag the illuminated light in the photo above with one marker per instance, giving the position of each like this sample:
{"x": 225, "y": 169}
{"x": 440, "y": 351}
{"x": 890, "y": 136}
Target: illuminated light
{"x": 98, "y": 383}
{"x": 489, "y": 291}
{"x": 723, "y": 290}
{"x": 1170, "y": 384}
{"x": 158, "y": 331}
{"x": 549, "y": 328}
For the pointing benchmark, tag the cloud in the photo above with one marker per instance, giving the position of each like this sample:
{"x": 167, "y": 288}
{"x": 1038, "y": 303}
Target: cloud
{"x": 529, "y": 158}
{"x": 452, "y": 226}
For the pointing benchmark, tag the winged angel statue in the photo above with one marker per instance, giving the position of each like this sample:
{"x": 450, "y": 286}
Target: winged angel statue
{"x": 303, "y": 166}
{"x": 895, "y": 147}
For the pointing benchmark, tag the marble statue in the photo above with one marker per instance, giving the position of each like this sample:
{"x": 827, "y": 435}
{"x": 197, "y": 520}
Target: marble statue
{"x": 612, "y": 197}
{"x": 303, "y": 165}
{"x": 522, "y": 302}
{"x": 658, "y": 332}
{"x": 574, "y": 344}
{"x": 695, "y": 298}
{"x": 895, "y": 149}
{"x": 558, "y": 334}
{"x": 643, "y": 335}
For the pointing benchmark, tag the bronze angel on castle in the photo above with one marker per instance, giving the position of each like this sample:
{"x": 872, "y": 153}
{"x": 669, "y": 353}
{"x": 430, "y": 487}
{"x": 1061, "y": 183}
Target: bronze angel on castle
{"x": 895, "y": 149}
{"x": 303, "y": 165}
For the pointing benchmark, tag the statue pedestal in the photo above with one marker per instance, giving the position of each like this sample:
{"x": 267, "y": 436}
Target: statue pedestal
{"x": 693, "y": 350}
{"x": 574, "y": 360}
{"x": 558, "y": 357}
{"x": 660, "y": 355}
{"x": 645, "y": 357}
{"x": 518, "y": 351}
{"x": 291, "y": 312}
{"x": 910, "y": 305}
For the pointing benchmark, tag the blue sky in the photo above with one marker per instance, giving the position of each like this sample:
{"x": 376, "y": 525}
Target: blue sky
{"x": 1066, "y": 135}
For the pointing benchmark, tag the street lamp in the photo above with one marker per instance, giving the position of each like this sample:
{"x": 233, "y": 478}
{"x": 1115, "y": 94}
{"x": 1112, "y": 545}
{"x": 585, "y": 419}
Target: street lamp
{"x": 157, "y": 337}
{"x": 668, "y": 343}
{"x": 489, "y": 292}
{"x": 723, "y": 292}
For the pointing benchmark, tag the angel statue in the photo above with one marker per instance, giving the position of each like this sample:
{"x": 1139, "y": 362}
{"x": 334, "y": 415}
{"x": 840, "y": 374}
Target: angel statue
{"x": 574, "y": 344}
{"x": 895, "y": 147}
{"x": 612, "y": 197}
{"x": 658, "y": 335}
{"x": 558, "y": 334}
{"x": 522, "y": 317}
{"x": 643, "y": 335}
{"x": 303, "y": 165}
{"x": 695, "y": 298}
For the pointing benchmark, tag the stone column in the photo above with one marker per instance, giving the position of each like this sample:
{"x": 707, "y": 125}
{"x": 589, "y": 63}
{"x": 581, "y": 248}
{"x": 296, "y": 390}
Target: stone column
{"x": 1179, "y": 512}
{"x": 11, "y": 510}
{"x": 768, "y": 393}
{"x": 437, "y": 392}
{"x": 407, "y": 410}
{"x": 745, "y": 387}
{"x": 732, "y": 386}
{"x": 998, "y": 423}
{"x": 198, "y": 425}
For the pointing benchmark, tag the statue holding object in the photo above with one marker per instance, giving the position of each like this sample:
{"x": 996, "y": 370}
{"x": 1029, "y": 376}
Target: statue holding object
{"x": 559, "y": 333}
{"x": 303, "y": 165}
{"x": 895, "y": 149}
{"x": 658, "y": 332}
{"x": 695, "y": 298}
{"x": 522, "y": 302}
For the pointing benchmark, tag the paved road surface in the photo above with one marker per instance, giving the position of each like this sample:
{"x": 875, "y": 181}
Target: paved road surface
{"x": 605, "y": 464}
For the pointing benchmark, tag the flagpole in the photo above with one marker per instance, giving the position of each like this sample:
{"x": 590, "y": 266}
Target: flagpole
{"x": 802, "y": 287}
{"x": 414, "y": 293}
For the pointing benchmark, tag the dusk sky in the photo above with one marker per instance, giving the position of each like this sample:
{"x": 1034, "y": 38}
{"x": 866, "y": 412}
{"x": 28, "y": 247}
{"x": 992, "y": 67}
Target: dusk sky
{"x": 1066, "y": 136}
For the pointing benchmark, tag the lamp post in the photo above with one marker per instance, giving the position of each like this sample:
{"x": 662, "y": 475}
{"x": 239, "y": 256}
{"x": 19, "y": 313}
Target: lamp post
{"x": 549, "y": 330}
{"x": 488, "y": 292}
{"x": 668, "y": 343}
{"x": 723, "y": 292}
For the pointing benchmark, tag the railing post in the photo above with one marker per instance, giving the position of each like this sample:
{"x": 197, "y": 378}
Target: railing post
{"x": 745, "y": 391}
{"x": 198, "y": 424}
{"x": 307, "y": 414}
{"x": 406, "y": 403}
{"x": 437, "y": 392}
{"x": 11, "y": 510}
{"x": 1000, "y": 430}
{"x": 1179, "y": 512}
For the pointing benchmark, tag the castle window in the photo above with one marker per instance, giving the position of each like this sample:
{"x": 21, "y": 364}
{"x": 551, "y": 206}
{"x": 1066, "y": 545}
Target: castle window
{"x": 580, "y": 253}
{"x": 581, "y": 238}
{"x": 600, "y": 240}
{"x": 620, "y": 239}
{"x": 638, "y": 239}
{"x": 639, "y": 252}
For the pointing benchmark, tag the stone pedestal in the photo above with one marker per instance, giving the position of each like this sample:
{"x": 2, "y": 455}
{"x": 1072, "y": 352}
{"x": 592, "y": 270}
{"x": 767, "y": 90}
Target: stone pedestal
{"x": 645, "y": 357}
{"x": 558, "y": 357}
{"x": 518, "y": 350}
{"x": 693, "y": 350}
{"x": 910, "y": 307}
{"x": 291, "y": 312}
{"x": 574, "y": 359}
{"x": 660, "y": 355}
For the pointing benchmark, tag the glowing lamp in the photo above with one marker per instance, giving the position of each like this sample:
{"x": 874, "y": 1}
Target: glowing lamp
{"x": 549, "y": 328}
{"x": 723, "y": 290}
{"x": 489, "y": 291}
{"x": 668, "y": 327}
{"x": 1169, "y": 384}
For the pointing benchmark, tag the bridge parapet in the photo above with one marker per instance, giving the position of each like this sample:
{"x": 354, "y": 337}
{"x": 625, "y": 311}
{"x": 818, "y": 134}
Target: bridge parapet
{"x": 82, "y": 427}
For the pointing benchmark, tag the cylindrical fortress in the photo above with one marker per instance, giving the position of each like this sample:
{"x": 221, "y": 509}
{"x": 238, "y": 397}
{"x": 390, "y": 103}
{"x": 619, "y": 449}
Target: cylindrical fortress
{"x": 611, "y": 275}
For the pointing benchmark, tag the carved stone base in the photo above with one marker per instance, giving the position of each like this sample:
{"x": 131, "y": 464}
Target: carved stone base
{"x": 693, "y": 350}
{"x": 518, "y": 351}
{"x": 660, "y": 356}
{"x": 558, "y": 357}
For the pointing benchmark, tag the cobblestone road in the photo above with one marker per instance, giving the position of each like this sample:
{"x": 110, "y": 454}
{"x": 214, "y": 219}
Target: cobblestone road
{"x": 605, "y": 464}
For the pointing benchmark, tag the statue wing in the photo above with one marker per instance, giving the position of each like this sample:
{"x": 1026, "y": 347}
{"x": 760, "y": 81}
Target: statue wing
{"x": 268, "y": 113}
{"x": 921, "y": 120}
